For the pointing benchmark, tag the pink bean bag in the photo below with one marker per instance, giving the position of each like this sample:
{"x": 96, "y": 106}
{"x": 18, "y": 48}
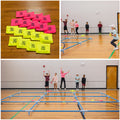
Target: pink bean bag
{"x": 37, "y": 17}
{"x": 21, "y": 13}
{"x": 42, "y": 27}
{"x": 16, "y": 22}
{"x": 45, "y": 19}
{"x": 33, "y": 25}
{"x": 51, "y": 29}
{"x": 25, "y": 23}
{"x": 29, "y": 15}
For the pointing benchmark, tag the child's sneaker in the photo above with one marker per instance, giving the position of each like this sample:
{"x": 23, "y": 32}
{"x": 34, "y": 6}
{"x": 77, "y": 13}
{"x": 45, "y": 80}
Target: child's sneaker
{"x": 116, "y": 48}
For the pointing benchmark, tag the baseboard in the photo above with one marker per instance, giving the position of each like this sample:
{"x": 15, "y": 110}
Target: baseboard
{"x": 90, "y": 33}
{"x": 52, "y": 88}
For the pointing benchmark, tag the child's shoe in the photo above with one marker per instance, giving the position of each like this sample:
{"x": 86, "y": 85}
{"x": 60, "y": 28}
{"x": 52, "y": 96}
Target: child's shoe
{"x": 116, "y": 48}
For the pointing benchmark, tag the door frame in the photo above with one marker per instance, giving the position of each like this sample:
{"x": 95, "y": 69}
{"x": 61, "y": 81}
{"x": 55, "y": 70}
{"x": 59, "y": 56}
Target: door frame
{"x": 118, "y": 22}
{"x": 117, "y": 74}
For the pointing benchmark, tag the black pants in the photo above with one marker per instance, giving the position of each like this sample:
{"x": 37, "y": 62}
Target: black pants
{"x": 76, "y": 30}
{"x": 63, "y": 80}
{"x": 100, "y": 30}
{"x": 112, "y": 42}
{"x": 77, "y": 85}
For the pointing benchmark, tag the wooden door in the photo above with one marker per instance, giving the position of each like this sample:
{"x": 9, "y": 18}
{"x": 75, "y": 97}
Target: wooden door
{"x": 118, "y": 19}
{"x": 112, "y": 77}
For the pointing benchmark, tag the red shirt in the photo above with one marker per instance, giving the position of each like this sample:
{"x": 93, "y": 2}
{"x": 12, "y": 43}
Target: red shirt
{"x": 65, "y": 23}
{"x": 47, "y": 78}
{"x": 99, "y": 25}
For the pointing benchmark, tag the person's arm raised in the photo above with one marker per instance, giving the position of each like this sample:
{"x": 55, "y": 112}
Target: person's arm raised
{"x": 49, "y": 73}
{"x": 44, "y": 73}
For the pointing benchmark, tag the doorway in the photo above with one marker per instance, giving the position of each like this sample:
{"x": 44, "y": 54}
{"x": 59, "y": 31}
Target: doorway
{"x": 111, "y": 77}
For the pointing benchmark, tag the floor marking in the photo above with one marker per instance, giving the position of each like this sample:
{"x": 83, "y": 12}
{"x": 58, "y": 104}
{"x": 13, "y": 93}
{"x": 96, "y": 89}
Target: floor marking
{"x": 22, "y": 108}
{"x": 113, "y": 51}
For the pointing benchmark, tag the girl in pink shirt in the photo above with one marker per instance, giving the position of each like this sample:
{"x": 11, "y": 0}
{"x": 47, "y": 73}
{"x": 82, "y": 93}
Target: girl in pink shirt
{"x": 76, "y": 26}
{"x": 63, "y": 78}
{"x": 55, "y": 80}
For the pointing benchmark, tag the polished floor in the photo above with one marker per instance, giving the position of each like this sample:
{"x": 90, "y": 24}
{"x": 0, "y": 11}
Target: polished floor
{"x": 59, "y": 106}
{"x": 97, "y": 47}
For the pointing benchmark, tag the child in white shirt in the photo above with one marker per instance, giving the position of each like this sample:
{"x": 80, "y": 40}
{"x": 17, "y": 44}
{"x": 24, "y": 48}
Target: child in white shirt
{"x": 55, "y": 80}
{"x": 115, "y": 37}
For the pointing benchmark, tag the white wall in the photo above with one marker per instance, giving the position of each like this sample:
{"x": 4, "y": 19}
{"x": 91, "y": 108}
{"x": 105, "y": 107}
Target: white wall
{"x": 28, "y": 73}
{"x": 91, "y": 11}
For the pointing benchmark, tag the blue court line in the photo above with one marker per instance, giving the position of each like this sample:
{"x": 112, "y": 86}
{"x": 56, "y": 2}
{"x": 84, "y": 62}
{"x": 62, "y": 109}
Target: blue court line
{"x": 110, "y": 97}
{"x": 77, "y": 101}
{"x": 64, "y": 92}
{"x": 10, "y": 96}
{"x": 37, "y": 102}
{"x": 59, "y": 110}
{"x": 72, "y": 38}
{"x": 32, "y": 92}
{"x": 70, "y": 42}
{"x": 59, "y": 101}
{"x": 72, "y": 46}
{"x": 59, "y": 96}
{"x": 62, "y": 50}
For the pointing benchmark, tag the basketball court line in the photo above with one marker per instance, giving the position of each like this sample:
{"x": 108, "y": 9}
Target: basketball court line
{"x": 81, "y": 110}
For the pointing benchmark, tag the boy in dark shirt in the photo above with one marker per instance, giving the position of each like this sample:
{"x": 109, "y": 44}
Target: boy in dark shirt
{"x": 47, "y": 78}
{"x": 83, "y": 82}
{"x": 65, "y": 25}
{"x": 87, "y": 28}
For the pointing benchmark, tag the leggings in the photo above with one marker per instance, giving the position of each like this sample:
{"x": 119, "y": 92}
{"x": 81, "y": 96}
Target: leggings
{"x": 76, "y": 30}
{"x": 63, "y": 80}
{"x": 112, "y": 42}
{"x": 100, "y": 29}
{"x": 77, "y": 85}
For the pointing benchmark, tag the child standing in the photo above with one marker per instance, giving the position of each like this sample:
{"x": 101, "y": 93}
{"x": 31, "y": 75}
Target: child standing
{"x": 87, "y": 28}
{"x": 65, "y": 25}
{"x": 47, "y": 78}
{"x": 83, "y": 82}
{"x": 77, "y": 79}
{"x": 76, "y": 26}
{"x": 100, "y": 27}
{"x": 55, "y": 80}
{"x": 115, "y": 37}
{"x": 63, "y": 78}
{"x": 72, "y": 24}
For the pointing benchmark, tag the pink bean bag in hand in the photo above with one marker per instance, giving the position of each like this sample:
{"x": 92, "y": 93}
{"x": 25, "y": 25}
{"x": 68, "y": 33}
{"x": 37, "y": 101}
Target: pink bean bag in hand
{"x": 29, "y": 15}
{"x": 21, "y": 13}
{"x": 51, "y": 29}
{"x": 42, "y": 27}
{"x": 33, "y": 25}
{"x": 25, "y": 23}
{"x": 45, "y": 19}
{"x": 16, "y": 22}
{"x": 37, "y": 17}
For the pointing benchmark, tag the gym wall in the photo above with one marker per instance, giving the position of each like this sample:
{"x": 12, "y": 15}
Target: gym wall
{"x": 91, "y": 11}
{"x": 29, "y": 73}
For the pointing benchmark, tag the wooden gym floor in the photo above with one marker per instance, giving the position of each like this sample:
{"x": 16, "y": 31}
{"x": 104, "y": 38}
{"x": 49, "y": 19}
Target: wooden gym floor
{"x": 8, "y": 12}
{"x": 98, "y": 47}
{"x": 59, "y": 106}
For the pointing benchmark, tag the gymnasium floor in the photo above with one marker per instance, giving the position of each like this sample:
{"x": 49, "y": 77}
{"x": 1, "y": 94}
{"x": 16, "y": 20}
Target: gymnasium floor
{"x": 98, "y": 46}
{"x": 59, "y": 106}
